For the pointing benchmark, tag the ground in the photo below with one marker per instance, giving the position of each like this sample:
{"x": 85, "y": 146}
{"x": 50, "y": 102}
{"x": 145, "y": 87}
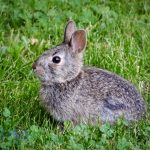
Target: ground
{"x": 118, "y": 40}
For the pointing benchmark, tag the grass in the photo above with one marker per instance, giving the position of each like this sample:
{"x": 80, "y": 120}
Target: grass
{"x": 118, "y": 40}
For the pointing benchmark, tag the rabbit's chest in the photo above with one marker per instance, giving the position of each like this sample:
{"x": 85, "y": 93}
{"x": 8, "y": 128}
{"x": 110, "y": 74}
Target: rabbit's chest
{"x": 59, "y": 103}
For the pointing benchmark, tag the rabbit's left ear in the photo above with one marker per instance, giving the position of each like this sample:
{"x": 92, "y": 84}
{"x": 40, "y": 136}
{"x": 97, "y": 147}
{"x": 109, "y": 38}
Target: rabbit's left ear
{"x": 78, "y": 41}
{"x": 69, "y": 30}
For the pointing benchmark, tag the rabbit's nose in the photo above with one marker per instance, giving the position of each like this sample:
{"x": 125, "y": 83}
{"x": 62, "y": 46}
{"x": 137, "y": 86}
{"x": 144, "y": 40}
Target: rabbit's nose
{"x": 34, "y": 66}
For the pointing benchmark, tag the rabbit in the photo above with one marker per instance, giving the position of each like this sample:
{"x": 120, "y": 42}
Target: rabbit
{"x": 72, "y": 92}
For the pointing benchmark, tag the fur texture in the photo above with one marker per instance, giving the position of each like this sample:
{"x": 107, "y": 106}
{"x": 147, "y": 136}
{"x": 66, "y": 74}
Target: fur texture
{"x": 70, "y": 91}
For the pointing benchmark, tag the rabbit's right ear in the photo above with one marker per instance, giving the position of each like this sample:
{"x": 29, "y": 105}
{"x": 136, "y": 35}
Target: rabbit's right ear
{"x": 70, "y": 29}
{"x": 78, "y": 41}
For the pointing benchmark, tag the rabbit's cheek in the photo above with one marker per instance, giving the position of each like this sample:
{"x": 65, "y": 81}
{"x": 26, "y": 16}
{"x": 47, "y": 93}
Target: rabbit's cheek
{"x": 55, "y": 67}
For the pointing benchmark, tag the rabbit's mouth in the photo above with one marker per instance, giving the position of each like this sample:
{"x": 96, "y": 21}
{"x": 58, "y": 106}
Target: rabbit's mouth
{"x": 39, "y": 71}
{"x": 42, "y": 75}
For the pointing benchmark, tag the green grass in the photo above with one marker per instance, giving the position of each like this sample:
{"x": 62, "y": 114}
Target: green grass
{"x": 118, "y": 40}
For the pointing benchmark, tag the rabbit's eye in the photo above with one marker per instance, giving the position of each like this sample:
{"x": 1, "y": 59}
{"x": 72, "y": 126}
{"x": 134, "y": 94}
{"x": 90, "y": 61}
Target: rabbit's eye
{"x": 56, "y": 59}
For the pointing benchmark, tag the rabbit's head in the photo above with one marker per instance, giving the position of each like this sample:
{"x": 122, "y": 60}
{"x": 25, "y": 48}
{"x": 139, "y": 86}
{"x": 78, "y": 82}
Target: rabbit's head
{"x": 63, "y": 62}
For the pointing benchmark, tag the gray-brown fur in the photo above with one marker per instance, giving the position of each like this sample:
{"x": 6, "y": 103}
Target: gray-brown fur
{"x": 70, "y": 91}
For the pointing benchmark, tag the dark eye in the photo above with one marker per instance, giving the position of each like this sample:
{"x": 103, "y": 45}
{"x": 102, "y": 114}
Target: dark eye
{"x": 56, "y": 59}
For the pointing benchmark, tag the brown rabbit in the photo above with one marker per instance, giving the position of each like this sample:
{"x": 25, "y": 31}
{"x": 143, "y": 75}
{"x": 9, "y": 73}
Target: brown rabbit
{"x": 70, "y": 91}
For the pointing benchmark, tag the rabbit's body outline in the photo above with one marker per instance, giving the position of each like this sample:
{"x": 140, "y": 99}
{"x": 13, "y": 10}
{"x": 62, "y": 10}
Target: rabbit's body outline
{"x": 70, "y": 91}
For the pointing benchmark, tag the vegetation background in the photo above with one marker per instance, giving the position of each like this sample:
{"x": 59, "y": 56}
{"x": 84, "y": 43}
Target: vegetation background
{"x": 118, "y": 40}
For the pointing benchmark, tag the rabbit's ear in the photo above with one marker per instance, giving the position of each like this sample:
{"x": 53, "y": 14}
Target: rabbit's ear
{"x": 70, "y": 29}
{"x": 78, "y": 41}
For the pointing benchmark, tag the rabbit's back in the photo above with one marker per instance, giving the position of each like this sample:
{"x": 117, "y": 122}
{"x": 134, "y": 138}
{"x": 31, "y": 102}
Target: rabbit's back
{"x": 114, "y": 95}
